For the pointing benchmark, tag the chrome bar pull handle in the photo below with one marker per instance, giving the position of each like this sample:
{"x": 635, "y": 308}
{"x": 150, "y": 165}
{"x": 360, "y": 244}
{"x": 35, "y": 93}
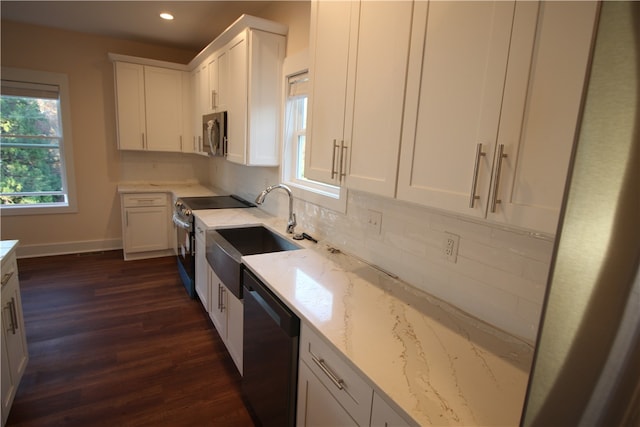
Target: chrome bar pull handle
{"x": 343, "y": 160}
{"x": 338, "y": 382}
{"x": 333, "y": 160}
{"x": 13, "y": 318}
{"x": 496, "y": 178}
{"x": 474, "y": 181}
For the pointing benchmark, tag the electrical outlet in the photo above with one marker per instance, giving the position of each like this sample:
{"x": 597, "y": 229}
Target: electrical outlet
{"x": 374, "y": 221}
{"x": 450, "y": 246}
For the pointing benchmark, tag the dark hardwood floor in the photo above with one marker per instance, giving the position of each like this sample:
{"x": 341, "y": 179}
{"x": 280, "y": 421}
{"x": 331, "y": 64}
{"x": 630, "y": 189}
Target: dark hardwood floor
{"x": 115, "y": 343}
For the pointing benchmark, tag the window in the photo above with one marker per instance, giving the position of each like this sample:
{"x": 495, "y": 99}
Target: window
{"x": 296, "y": 102}
{"x": 35, "y": 143}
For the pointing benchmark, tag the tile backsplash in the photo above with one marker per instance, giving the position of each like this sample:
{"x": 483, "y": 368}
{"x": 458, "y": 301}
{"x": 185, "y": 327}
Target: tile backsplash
{"x": 499, "y": 276}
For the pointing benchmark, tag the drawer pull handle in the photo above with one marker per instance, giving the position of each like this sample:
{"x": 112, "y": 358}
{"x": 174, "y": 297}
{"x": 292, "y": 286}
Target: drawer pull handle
{"x": 334, "y": 379}
{"x": 6, "y": 277}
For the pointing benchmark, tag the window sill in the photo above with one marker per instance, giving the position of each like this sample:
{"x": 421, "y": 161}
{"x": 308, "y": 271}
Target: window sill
{"x": 318, "y": 196}
{"x": 20, "y": 210}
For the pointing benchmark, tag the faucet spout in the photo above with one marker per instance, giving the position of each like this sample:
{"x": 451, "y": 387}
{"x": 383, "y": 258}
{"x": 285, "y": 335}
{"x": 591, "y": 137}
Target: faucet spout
{"x": 291, "y": 223}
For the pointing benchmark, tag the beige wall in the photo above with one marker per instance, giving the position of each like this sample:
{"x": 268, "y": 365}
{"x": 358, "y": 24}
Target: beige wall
{"x": 296, "y": 15}
{"x": 97, "y": 161}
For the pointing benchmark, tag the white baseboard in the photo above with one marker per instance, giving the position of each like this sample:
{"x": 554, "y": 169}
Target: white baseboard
{"x": 64, "y": 248}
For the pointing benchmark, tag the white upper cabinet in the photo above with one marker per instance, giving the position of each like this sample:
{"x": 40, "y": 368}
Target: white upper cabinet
{"x": 130, "y": 105}
{"x": 376, "y": 123}
{"x": 358, "y": 75}
{"x": 199, "y": 102}
{"x": 493, "y": 95}
{"x": 254, "y": 97}
{"x": 330, "y": 41}
{"x": 539, "y": 116}
{"x": 218, "y": 68}
{"x": 163, "y": 101}
{"x": 150, "y": 107}
{"x": 454, "y": 93}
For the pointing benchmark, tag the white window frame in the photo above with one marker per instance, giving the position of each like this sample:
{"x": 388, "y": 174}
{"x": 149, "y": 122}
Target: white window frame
{"x": 66, "y": 143}
{"x": 321, "y": 194}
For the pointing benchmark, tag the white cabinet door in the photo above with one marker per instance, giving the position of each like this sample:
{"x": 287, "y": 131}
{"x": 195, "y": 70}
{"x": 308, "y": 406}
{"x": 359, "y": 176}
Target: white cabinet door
{"x": 146, "y": 229}
{"x": 454, "y": 93}
{"x": 331, "y": 37}
{"x": 253, "y": 101}
{"x": 201, "y": 275}
{"x": 14, "y": 341}
{"x": 381, "y": 67}
{"x": 227, "y": 314}
{"x": 218, "y": 305}
{"x": 383, "y": 415}
{"x": 163, "y": 101}
{"x": 196, "y": 119}
{"x": 316, "y": 406}
{"x": 235, "y": 322}
{"x": 218, "y": 81}
{"x": 237, "y": 103}
{"x": 130, "y": 106}
{"x": 539, "y": 116}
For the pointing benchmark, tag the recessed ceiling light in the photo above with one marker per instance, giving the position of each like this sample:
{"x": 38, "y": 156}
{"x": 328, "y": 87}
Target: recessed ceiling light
{"x": 166, "y": 15}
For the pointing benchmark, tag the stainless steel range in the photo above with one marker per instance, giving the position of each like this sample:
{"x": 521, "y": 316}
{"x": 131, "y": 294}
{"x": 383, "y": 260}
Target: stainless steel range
{"x": 185, "y": 225}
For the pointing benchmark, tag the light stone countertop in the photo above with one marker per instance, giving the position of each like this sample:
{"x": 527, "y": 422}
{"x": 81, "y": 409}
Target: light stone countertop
{"x": 6, "y": 247}
{"x": 178, "y": 189}
{"x": 437, "y": 364}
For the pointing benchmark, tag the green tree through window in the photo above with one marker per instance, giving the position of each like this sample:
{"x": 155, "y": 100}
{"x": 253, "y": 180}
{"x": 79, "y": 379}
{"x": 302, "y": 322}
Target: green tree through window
{"x": 31, "y": 169}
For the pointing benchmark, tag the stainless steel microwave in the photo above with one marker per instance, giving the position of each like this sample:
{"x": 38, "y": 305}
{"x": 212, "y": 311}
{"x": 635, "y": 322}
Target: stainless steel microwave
{"x": 214, "y": 133}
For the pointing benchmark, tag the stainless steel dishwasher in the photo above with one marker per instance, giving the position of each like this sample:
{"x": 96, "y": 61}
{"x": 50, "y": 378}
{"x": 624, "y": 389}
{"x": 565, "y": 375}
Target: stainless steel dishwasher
{"x": 270, "y": 360}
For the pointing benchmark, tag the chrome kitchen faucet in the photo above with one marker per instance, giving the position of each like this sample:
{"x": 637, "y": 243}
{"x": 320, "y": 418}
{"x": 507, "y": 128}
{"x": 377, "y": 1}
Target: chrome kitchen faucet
{"x": 291, "y": 224}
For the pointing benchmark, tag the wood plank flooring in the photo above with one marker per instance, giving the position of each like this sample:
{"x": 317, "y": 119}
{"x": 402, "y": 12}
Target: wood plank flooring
{"x": 115, "y": 343}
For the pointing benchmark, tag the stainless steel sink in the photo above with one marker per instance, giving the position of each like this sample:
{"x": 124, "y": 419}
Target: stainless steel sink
{"x": 227, "y": 246}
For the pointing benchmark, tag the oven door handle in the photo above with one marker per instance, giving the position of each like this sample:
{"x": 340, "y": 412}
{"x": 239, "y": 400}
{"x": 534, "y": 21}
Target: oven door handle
{"x": 180, "y": 222}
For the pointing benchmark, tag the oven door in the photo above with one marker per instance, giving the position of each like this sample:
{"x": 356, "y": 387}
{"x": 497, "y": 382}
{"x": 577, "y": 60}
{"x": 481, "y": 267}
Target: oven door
{"x": 186, "y": 252}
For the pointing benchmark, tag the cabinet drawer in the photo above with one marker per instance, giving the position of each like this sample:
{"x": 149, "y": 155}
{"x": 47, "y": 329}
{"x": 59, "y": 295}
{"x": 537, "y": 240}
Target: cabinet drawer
{"x": 342, "y": 381}
{"x": 144, "y": 199}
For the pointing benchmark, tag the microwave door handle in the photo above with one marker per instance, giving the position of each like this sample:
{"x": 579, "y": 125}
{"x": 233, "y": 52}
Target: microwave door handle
{"x": 211, "y": 144}
{"x": 216, "y": 145}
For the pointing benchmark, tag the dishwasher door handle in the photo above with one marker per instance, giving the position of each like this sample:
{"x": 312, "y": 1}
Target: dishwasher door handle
{"x": 277, "y": 310}
{"x": 265, "y": 306}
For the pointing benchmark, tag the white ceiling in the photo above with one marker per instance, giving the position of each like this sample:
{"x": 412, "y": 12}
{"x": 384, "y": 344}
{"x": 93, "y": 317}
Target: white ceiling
{"x": 195, "y": 25}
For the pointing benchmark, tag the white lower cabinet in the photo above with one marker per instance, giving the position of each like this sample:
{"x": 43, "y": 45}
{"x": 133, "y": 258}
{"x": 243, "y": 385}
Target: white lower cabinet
{"x": 202, "y": 266}
{"x": 383, "y": 415}
{"x": 332, "y": 393}
{"x": 226, "y": 312}
{"x": 146, "y": 226}
{"x": 316, "y": 405}
{"x": 14, "y": 350}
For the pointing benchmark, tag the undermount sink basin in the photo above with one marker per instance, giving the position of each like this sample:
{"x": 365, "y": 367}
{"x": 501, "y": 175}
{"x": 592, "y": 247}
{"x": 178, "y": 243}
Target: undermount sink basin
{"x": 227, "y": 246}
